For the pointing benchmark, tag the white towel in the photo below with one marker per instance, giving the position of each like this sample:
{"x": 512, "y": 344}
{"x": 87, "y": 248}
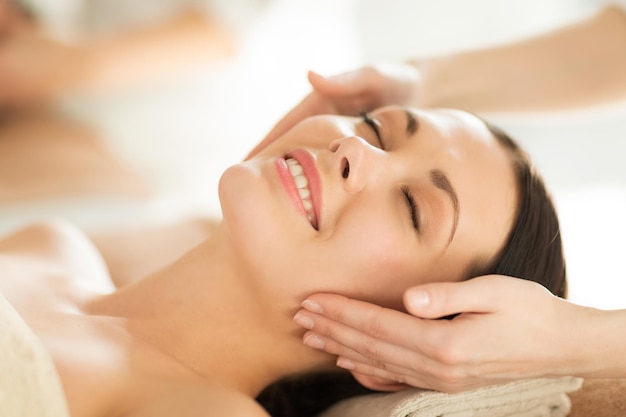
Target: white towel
{"x": 29, "y": 384}
{"x": 525, "y": 398}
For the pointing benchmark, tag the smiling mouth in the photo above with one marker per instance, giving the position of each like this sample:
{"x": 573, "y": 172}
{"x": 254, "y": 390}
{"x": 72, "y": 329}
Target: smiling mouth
{"x": 302, "y": 184}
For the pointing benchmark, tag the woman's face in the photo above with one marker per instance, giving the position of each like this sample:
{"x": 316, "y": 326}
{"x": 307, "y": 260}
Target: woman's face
{"x": 367, "y": 207}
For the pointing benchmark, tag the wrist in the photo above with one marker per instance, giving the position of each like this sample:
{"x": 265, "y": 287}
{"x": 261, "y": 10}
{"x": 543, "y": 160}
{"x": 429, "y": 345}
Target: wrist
{"x": 418, "y": 94}
{"x": 453, "y": 81}
{"x": 597, "y": 342}
{"x": 610, "y": 344}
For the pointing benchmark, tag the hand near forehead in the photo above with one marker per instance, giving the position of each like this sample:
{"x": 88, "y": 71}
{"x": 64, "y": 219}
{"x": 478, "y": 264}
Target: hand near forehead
{"x": 504, "y": 329}
{"x": 349, "y": 94}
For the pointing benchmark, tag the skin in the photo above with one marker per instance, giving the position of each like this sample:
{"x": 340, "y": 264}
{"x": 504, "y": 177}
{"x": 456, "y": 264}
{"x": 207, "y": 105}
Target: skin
{"x": 371, "y": 203}
{"x": 578, "y": 65}
{"x": 165, "y": 343}
{"x": 388, "y": 350}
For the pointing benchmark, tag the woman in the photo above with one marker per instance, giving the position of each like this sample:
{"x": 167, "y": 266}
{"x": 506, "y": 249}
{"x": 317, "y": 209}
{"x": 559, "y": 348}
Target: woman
{"x": 574, "y": 66}
{"x": 364, "y": 207}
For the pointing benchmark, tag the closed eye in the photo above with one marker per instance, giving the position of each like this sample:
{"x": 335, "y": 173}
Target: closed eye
{"x": 413, "y": 211}
{"x": 374, "y": 125}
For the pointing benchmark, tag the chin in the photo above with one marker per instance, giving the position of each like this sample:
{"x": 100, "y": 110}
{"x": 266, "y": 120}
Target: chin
{"x": 241, "y": 198}
{"x": 254, "y": 221}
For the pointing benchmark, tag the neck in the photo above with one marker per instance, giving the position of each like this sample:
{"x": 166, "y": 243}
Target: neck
{"x": 213, "y": 316}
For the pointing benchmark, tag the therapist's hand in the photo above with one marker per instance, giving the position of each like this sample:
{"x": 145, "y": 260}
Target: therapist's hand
{"x": 507, "y": 329}
{"x": 350, "y": 93}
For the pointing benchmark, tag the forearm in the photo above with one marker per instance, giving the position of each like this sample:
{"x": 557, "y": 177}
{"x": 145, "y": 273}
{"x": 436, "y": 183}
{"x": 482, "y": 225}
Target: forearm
{"x": 153, "y": 52}
{"x": 600, "y": 347}
{"x": 578, "y": 65}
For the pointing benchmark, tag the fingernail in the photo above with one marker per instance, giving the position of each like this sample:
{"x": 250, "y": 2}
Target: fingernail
{"x": 313, "y": 341}
{"x": 316, "y": 74}
{"x": 312, "y": 306}
{"x": 346, "y": 364}
{"x": 303, "y": 321}
{"x": 418, "y": 298}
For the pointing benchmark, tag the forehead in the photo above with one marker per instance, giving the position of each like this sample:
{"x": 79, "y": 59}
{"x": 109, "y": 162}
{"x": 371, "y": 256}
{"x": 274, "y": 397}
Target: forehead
{"x": 481, "y": 170}
{"x": 464, "y": 144}
{"x": 458, "y": 127}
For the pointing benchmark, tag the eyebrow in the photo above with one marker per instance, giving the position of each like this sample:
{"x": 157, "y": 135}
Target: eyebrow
{"x": 437, "y": 177}
{"x": 412, "y": 124}
{"x": 441, "y": 181}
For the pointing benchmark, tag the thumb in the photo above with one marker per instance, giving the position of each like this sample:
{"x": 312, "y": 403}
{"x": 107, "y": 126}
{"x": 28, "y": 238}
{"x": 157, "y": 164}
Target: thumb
{"x": 342, "y": 85}
{"x": 436, "y": 300}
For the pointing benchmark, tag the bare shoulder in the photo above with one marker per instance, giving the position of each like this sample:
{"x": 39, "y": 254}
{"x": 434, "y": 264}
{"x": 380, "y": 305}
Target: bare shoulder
{"x": 56, "y": 244}
{"x": 197, "y": 401}
{"x": 49, "y": 237}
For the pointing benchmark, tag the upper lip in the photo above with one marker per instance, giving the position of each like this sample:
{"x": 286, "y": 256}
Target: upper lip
{"x": 306, "y": 160}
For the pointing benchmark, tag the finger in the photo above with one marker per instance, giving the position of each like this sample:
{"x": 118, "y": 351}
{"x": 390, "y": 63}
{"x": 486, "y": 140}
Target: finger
{"x": 309, "y": 106}
{"x": 362, "y": 348}
{"x": 478, "y": 295}
{"x": 382, "y": 379}
{"x": 343, "y": 85}
{"x": 419, "y": 374}
{"x": 378, "y": 322}
{"x": 353, "y": 360}
{"x": 377, "y": 383}
{"x": 417, "y": 380}
{"x": 447, "y": 381}
{"x": 397, "y": 339}
{"x": 426, "y": 357}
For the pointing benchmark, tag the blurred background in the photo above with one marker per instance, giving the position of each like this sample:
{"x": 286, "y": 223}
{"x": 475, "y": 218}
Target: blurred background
{"x": 165, "y": 143}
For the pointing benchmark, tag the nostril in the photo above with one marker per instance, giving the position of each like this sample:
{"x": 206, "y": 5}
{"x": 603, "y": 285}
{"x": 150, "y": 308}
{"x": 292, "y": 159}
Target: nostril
{"x": 346, "y": 168}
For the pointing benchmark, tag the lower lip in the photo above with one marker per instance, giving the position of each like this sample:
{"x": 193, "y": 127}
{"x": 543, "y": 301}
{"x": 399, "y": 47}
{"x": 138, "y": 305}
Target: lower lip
{"x": 290, "y": 185}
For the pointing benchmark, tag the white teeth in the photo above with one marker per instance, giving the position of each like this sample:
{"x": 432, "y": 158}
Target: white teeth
{"x": 294, "y": 167}
{"x": 303, "y": 187}
{"x": 304, "y": 193}
{"x": 300, "y": 181}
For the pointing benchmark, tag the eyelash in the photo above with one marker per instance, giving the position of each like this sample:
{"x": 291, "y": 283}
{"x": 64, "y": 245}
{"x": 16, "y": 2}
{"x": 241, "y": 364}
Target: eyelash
{"x": 408, "y": 195}
{"x": 373, "y": 124}
{"x": 412, "y": 207}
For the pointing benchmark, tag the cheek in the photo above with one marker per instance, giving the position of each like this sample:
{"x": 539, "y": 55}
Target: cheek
{"x": 315, "y": 132}
{"x": 239, "y": 187}
{"x": 376, "y": 262}
{"x": 253, "y": 213}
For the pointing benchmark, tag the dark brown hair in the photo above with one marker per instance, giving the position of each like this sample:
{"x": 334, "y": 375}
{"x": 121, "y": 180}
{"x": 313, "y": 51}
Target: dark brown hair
{"x": 533, "y": 251}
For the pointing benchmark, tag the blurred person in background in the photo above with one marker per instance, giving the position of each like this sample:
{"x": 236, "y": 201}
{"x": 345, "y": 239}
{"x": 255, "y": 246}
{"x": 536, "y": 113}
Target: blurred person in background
{"x": 54, "y": 49}
{"x": 96, "y": 46}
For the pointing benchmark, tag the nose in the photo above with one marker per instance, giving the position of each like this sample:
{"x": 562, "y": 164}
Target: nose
{"x": 357, "y": 162}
